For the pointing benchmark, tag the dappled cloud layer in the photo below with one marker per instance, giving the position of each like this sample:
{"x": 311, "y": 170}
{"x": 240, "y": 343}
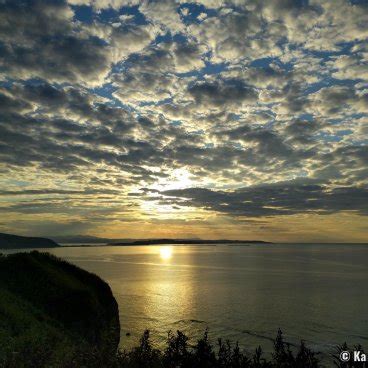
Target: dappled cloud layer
{"x": 238, "y": 119}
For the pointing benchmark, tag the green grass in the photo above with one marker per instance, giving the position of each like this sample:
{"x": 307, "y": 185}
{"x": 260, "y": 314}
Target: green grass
{"x": 49, "y": 309}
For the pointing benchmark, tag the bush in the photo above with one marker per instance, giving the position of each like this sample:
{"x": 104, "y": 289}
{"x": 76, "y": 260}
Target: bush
{"x": 178, "y": 353}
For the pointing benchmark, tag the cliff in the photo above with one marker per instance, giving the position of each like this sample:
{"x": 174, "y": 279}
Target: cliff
{"x": 49, "y": 305}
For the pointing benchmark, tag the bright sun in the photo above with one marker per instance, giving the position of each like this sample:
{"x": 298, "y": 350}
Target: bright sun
{"x": 165, "y": 253}
{"x": 178, "y": 179}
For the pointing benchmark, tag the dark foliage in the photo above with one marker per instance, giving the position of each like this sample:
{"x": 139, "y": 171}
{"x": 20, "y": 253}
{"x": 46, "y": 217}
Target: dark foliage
{"x": 180, "y": 354}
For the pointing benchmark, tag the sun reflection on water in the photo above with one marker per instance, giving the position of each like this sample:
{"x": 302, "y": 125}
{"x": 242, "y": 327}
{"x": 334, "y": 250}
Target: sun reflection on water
{"x": 166, "y": 253}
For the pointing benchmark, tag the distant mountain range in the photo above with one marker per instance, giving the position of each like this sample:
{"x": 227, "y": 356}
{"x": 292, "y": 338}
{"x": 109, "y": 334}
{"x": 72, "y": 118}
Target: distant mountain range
{"x": 8, "y": 241}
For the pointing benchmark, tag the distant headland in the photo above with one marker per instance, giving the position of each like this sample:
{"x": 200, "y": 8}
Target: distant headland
{"x": 93, "y": 240}
{"x": 188, "y": 242}
{"x": 8, "y": 241}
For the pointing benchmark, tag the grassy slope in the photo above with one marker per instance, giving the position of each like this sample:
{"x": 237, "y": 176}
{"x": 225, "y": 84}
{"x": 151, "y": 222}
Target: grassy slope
{"x": 53, "y": 306}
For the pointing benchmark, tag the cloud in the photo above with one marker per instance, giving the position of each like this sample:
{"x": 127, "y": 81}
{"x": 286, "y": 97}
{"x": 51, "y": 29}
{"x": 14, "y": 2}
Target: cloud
{"x": 39, "y": 40}
{"x": 302, "y": 132}
{"x": 153, "y": 74}
{"x": 128, "y": 38}
{"x": 351, "y": 67}
{"x": 188, "y": 56}
{"x": 48, "y": 138}
{"x": 278, "y": 199}
{"x": 163, "y": 13}
{"x": 337, "y": 100}
{"x": 247, "y": 108}
{"x": 222, "y": 92}
{"x": 33, "y": 192}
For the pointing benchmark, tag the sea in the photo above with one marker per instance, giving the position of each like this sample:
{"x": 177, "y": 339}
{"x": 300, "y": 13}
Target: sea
{"x": 312, "y": 292}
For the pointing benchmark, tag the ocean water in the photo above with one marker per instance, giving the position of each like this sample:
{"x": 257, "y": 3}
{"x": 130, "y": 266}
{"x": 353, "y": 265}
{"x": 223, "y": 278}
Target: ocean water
{"x": 317, "y": 292}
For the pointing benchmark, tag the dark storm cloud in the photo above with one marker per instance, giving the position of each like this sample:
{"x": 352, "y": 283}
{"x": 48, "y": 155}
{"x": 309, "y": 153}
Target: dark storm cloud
{"x": 274, "y": 199}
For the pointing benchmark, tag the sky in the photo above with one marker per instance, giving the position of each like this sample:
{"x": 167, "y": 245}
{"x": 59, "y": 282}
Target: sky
{"x": 211, "y": 119}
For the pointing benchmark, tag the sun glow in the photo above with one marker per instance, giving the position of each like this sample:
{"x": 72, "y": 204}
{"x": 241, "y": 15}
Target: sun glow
{"x": 166, "y": 253}
{"x": 178, "y": 179}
